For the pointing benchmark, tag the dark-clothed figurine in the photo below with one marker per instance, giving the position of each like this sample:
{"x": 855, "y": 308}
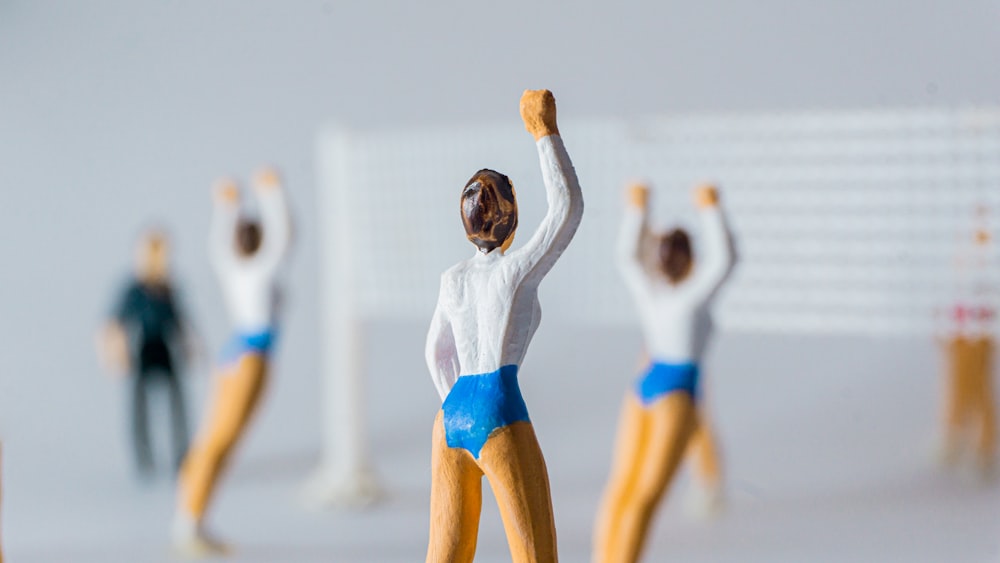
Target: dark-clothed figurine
{"x": 145, "y": 339}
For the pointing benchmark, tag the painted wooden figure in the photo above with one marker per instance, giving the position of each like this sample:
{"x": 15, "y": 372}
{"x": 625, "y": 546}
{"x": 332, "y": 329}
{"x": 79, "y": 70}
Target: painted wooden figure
{"x": 969, "y": 417}
{"x": 660, "y": 417}
{"x": 247, "y": 255}
{"x": 148, "y": 338}
{"x": 486, "y": 315}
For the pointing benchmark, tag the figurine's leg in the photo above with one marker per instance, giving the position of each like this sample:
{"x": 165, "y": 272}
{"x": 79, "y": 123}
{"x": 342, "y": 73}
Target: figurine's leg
{"x": 984, "y": 397}
{"x": 235, "y": 396}
{"x": 955, "y": 409}
{"x": 628, "y": 454}
{"x": 513, "y": 463}
{"x": 178, "y": 416}
{"x": 703, "y": 451}
{"x": 140, "y": 424}
{"x": 670, "y": 425}
{"x": 456, "y": 501}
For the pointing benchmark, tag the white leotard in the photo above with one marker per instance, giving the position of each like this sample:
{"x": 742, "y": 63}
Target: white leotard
{"x": 488, "y": 307}
{"x": 249, "y": 284}
{"x": 675, "y": 318}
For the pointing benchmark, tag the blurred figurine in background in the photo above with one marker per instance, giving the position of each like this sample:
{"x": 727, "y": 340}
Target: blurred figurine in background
{"x": 247, "y": 255}
{"x": 147, "y": 338}
{"x": 968, "y": 343}
{"x": 660, "y": 415}
{"x": 486, "y": 314}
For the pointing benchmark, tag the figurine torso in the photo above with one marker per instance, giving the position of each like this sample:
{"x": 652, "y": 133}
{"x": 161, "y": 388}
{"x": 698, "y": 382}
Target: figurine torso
{"x": 493, "y": 313}
{"x": 251, "y": 296}
{"x": 676, "y": 322}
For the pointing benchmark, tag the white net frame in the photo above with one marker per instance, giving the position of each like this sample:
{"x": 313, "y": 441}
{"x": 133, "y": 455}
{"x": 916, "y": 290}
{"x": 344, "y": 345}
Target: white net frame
{"x": 845, "y": 221}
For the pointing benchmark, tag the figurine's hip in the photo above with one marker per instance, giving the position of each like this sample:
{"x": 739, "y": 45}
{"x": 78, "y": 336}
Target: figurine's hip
{"x": 479, "y": 405}
{"x": 662, "y": 378}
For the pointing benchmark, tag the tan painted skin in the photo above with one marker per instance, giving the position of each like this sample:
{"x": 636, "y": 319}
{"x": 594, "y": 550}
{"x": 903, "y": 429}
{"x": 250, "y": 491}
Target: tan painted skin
{"x": 513, "y": 464}
{"x": 650, "y": 445}
{"x": 233, "y": 400}
{"x": 969, "y": 404}
{"x": 703, "y": 454}
{"x": 703, "y": 449}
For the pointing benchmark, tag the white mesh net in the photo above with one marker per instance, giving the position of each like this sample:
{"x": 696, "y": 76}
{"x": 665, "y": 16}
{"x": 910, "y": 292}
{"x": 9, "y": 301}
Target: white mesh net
{"x": 844, "y": 221}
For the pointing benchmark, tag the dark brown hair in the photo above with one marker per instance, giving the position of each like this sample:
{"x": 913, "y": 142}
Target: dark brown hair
{"x": 489, "y": 209}
{"x": 675, "y": 255}
{"x": 248, "y": 236}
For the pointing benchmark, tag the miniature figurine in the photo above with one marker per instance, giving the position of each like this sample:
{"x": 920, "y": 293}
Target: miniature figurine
{"x": 968, "y": 344}
{"x": 148, "y": 338}
{"x": 486, "y": 314}
{"x": 247, "y": 255}
{"x": 659, "y": 416}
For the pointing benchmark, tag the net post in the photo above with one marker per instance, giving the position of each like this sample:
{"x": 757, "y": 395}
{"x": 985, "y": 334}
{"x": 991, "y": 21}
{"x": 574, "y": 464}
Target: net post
{"x": 345, "y": 476}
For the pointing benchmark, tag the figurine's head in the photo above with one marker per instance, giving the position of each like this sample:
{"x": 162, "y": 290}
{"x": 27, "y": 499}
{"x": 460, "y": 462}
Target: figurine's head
{"x": 152, "y": 256}
{"x": 248, "y": 237}
{"x": 489, "y": 210}
{"x": 675, "y": 255}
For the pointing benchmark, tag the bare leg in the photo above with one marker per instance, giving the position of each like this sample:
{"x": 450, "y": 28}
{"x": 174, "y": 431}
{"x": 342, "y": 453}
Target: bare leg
{"x": 233, "y": 402}
{"x": 671, "y": 422}
{"x": 956, "y": 397}
{"x": 456, "y": 501}
{"x": 703, "y": 451}
{"x": 513, "y": 463}
{"x": 983, "y": 394}
{"x": 628, "y": 454}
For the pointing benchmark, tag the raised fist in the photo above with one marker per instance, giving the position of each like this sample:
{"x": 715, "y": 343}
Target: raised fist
{"x": 538, "y": 110}
{"x": 267, "y": 179}
{"x": 226, "y": 191}
{"x": 637, "y": 195}
{"x": 706, "y": 196}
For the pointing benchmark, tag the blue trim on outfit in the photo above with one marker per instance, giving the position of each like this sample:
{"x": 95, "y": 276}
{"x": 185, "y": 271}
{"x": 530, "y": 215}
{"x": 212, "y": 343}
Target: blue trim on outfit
{"x": 477, "y": 405}
{"x": 241, "y": 343}
{"x": 662, "y": 378}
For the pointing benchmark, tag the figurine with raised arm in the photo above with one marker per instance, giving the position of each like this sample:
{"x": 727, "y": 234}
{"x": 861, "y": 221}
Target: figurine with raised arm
{"x": 659, "y": 417}
{"x": 248, "y": 256}
{"x": 486, "y": 315}
{"x": 148, "y": 338}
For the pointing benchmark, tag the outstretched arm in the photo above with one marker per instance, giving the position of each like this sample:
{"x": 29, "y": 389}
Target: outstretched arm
{"x": 717, "y": 256}
{"x": 275, "y": 219}
{"x": 562, "y": 189}
{"x": 630, "y": 237}
{"x": 440, "y": 354}
{"x": 222, "y": 234}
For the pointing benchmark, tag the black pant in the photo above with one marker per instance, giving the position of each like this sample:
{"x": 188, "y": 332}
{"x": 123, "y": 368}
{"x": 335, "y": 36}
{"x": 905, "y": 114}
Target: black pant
{"x": 156, "y": 370}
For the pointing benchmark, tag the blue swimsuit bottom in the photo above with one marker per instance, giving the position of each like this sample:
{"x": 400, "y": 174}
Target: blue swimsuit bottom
{"x": 241, "y": 343}
{"x": 662, "y": 378}
{"x": 477, "y": 405}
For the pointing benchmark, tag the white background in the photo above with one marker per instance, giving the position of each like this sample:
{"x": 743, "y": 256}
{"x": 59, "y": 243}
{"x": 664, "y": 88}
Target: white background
{"x": 113, "y": 114}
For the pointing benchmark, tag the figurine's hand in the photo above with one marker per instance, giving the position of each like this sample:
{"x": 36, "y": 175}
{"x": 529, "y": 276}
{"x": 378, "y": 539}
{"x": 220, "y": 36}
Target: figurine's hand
{"x": 113, "y": 349}
{"x": 267, "y": 179}
{"x": 637, "y": 195}
{"x": 538, "y": 110}
{"x": 226, "y": 192}
{"x": 706, "y": 196}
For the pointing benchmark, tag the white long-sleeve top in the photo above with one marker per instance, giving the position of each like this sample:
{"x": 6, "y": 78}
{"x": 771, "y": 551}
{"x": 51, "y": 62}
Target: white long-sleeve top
{"x": 488, "y": 306}
{"x": 249, "y": 283}
{"x": 675, "y": 318}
